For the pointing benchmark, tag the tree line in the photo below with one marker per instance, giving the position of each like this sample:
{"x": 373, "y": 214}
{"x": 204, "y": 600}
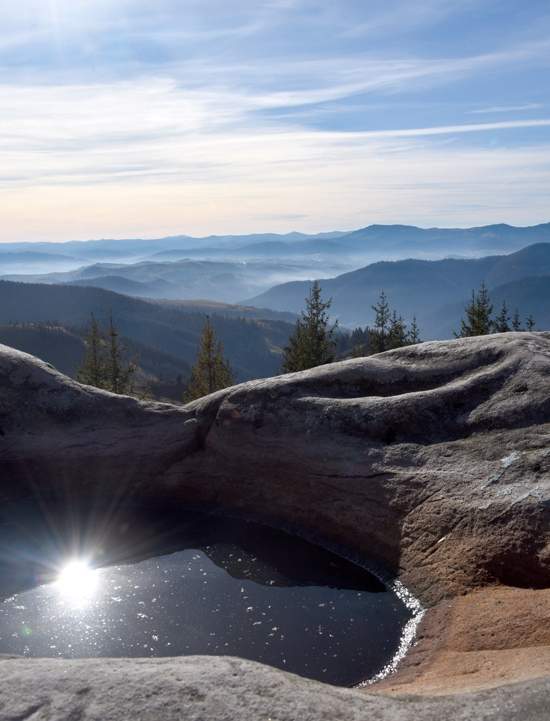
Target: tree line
{"x": 104, "y": 366}
{"x": 315, "y": 341}
{"x": 479, "y": 319}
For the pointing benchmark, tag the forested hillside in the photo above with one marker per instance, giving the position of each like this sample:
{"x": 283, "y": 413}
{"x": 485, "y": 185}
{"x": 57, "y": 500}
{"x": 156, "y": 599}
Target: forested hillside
{"x": 430, "y": 290}
{"x": 253, "y": 346}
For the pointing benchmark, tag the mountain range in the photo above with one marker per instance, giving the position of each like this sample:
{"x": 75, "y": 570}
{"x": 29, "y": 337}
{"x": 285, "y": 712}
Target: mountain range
{"x": 434, "y": 291}
{"x": 159, "y": 305}
{"x": 374, "y": 242}
{"x": 178, "y": 280}
{"x": 230, "y": 268}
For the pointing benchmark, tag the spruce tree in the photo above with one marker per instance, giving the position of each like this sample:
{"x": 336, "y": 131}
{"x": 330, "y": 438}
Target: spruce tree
{"x": 103, "y": 365}
{"x": 119, "y": 375}
{"x": 379, "y": 341}
{"x": 413, "y": 335}
{"x": 312, "y": 343}
{"x": 478, "y": 315}
{"x": 516, "y": 322}
{"x": 93, "y": 371}
{"x": 358, "y": 342}
{"x": 530, "y": 323}
{"x": 397, "y": 332}
{"x": 501, "y": 323}
{"x": 211, "y": 371}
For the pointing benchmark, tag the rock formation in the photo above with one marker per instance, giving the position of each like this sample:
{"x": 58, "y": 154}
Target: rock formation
{"x": 433, "y": 460}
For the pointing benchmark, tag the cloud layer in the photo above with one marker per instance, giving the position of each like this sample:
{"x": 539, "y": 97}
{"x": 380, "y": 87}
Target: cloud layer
{"x": 118, "y": 120}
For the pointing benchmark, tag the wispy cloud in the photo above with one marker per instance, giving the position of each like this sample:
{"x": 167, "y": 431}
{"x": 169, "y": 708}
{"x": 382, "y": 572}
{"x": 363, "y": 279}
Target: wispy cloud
{"x": 506, "y": 109}
{"x": 132, "y": 117}
{"x": 151, "y": 158}
{"x": 458, "y": 129}
{"x": 403, "y": 16}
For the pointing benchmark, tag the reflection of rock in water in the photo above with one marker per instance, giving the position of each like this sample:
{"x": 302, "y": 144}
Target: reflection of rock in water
{"x": 281, "y": 561}
{"x": 34, "y": 539}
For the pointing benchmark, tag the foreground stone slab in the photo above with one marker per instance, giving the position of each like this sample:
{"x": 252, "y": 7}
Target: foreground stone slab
{"x": 224, "y": 689}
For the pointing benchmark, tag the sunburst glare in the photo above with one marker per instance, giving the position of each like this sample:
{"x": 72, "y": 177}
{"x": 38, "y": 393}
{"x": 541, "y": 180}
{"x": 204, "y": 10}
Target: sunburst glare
{"x": 77, "y": 583}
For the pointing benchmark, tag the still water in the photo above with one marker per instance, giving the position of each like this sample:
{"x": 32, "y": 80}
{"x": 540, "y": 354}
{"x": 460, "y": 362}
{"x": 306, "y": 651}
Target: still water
{"x": 232, "y": 588}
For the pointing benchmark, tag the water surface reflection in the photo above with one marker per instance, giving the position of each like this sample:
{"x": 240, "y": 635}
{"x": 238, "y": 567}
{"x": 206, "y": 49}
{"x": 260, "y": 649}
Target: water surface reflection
{"x": 235, "y": 588}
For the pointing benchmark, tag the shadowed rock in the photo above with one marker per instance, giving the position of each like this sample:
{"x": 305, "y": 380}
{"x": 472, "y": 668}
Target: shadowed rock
{"x": 433, "y": 460}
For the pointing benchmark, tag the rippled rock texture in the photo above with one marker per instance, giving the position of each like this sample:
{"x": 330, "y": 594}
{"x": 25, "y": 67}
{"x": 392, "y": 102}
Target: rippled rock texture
{"x": 432, "y": 459}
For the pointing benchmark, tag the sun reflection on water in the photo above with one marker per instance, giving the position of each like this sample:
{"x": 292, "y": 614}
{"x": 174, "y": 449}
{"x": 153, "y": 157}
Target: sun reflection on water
{"x": 77, "y": 584}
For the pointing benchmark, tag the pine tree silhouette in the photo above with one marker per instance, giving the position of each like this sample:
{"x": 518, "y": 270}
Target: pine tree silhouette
{"x": 211, "y": 371}
{"x": 312, "y": 343}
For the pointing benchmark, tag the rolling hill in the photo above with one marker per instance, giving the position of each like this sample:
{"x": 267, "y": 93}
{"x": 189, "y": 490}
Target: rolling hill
{"x": 392, "y": 239}
{"x": 419, "y": 287}
{"x": 158, "y": 373}
{"x": 253, "y": 345}
{"x": 182, "y": 279}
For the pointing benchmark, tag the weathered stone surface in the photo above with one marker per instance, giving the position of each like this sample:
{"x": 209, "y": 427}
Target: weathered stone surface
{"x": 227, "y": 689}
{"x": 484, "y": 639}
{"x": 433, "y": 460}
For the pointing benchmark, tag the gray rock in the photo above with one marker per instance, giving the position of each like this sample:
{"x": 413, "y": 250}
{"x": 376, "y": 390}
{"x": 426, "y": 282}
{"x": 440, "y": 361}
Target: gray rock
{"x": 226, "y": 689}
{"x": 433, "y": 460}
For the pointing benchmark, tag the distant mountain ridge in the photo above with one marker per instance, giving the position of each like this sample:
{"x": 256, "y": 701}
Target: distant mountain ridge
{"x": 376, "y": 238}
{"x": 125, "y": 246}
{"x": 420, "y": 287}
{"x": 24, "y": 256}
{"x": 217, "y": 280}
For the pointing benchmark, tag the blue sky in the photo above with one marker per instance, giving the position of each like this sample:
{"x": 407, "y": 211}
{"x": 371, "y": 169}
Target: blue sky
{"x": 128, "y": 118}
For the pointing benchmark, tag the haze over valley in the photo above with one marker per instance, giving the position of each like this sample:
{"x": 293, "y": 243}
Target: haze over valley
{"x": 253, "y": 288}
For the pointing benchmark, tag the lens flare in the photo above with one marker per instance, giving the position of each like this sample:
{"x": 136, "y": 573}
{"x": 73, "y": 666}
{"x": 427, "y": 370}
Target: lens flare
{"x": 77, "y": 583}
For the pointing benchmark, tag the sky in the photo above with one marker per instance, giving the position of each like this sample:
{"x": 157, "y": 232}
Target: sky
{"x": 127, "y": 118}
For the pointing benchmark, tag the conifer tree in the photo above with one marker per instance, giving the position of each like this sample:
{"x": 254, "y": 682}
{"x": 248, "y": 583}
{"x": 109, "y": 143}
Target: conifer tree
{"x": 516, "y": 322}
{"x": 478, "y": 315}
{"x": 379, "y": 334}
{"x": 501, "y": 323}
{"x": 358, "y": 342}
{"x": 312, "y": 343}
{"x": 413, "y": 335}
{"x": 211, "y": 371}
{"x": 397, "y": 332}
{"x": 103, "y": 365}
{"x": 530, "y": 323}
{"x": 92, "y": 371}
{"x": 119, "y": 375}
{"x": 389, "y": 331}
